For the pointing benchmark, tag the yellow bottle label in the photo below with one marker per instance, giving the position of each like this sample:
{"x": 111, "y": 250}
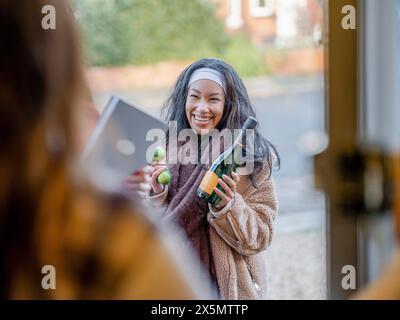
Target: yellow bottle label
{"x": 209, "y": 182}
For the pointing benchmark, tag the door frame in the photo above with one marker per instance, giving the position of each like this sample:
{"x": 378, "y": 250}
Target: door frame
{"x": 341, "y": 100}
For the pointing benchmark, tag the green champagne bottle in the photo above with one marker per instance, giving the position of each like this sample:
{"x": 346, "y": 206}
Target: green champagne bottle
{"x": 226, "y": 163}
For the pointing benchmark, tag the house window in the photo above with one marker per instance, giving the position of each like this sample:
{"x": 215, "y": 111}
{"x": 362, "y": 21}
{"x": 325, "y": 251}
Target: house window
{"x": 234, "y": 19}
{"x": 262, "y": 8}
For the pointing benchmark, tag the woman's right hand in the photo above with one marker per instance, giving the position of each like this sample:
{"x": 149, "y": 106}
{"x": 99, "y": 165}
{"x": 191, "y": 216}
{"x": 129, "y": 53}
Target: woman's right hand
{"x": 156, "y": 187}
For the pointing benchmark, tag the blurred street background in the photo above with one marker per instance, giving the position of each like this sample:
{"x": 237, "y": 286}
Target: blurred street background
{"x": 136, "y": 50}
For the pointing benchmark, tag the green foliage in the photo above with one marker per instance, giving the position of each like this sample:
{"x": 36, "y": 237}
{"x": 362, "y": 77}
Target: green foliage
{"x": 247, "y": 60}
{"x": 118, "y": 32}
{"x": 175, "y": 29}
{"x": 106, "y": 30}
{"x": 137, "y": 31}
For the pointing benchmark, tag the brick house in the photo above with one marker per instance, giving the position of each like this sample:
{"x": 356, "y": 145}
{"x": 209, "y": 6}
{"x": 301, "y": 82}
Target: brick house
{"x": 285, "y": 23}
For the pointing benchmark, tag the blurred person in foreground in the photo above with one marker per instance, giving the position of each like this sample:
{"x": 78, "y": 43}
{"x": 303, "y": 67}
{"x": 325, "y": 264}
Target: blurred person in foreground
{"x": 387, "y": 286}
{"x": 99, "y": 244}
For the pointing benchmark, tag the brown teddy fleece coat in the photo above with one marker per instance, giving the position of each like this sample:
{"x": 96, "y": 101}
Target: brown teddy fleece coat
{"x": 239, "y": 235}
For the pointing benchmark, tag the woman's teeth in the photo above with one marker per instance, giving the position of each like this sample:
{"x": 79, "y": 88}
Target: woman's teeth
{"x": 202, "y": 119}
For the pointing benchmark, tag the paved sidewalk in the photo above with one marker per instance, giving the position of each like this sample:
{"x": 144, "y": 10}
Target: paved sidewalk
{"x": 296, "y": 266}
{"x": 296, "y": 259}
{"x": 282, "y": 85}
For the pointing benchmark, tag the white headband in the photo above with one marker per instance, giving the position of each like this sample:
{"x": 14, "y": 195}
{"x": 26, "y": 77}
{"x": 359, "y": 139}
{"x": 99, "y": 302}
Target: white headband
{"x": 208, "y": 74}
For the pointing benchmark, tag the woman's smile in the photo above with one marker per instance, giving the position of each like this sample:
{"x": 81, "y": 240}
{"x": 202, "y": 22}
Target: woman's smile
{"x": 201, "y": 120}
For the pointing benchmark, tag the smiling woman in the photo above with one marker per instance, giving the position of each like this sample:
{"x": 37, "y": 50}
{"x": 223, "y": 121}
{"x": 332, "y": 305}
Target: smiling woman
{"x": 230, "y": 240}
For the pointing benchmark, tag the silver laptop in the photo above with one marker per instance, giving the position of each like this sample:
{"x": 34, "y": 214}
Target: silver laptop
{"x": 121, "y": 143}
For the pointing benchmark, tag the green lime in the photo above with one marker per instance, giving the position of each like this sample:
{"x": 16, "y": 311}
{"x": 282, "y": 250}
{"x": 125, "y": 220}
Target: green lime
{"x": 159, "y": 154}
{"x": 164, "y": 178}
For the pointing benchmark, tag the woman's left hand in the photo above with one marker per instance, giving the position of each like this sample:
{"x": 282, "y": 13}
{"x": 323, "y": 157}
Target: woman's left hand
{"x": 229, "y": 185}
